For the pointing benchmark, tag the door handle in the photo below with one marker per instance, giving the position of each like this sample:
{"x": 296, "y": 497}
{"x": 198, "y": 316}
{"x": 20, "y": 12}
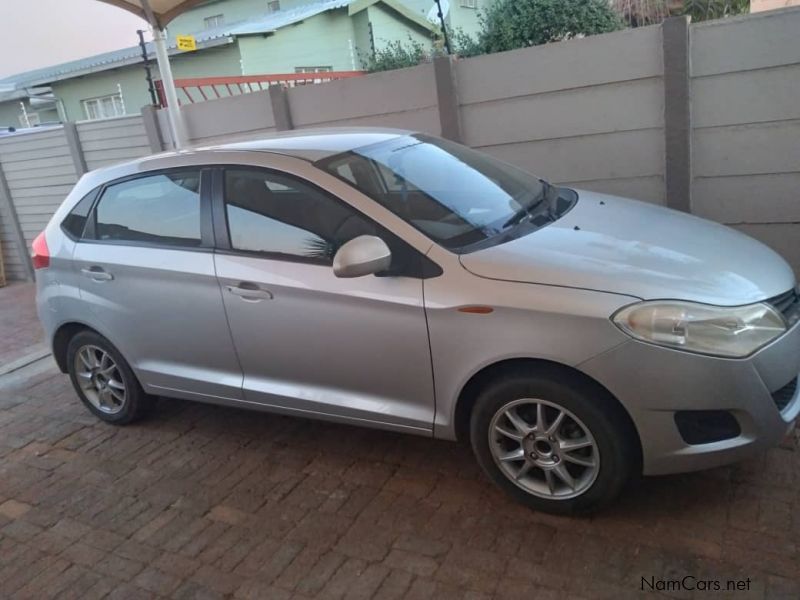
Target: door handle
{"x": 249, "y": 292}
{"x": 97, "y": 274}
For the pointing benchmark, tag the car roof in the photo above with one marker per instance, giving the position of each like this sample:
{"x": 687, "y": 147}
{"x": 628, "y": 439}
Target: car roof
{"x": 306, "y": 144}
{"x": 315, "y": 144}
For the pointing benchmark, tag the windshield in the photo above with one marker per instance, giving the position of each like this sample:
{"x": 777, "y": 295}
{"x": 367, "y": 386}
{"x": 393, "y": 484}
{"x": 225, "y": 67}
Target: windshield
{"x": 456, "y": 196}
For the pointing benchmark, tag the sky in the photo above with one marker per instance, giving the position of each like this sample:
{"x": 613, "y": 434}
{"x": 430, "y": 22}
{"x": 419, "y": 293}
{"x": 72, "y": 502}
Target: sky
{"x": 39, "y": 33}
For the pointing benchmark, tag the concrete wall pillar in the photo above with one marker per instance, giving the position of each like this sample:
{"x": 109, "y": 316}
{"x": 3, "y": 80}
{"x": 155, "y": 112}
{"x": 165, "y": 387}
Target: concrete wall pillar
{"x": 16, "y": 229}
{"x": 447, "y": 97}
{"x": 677, "y": 114}
{"x": 152, "y": 128}
{"x": 75, "y": 149}
{"x": 281, "y": 111}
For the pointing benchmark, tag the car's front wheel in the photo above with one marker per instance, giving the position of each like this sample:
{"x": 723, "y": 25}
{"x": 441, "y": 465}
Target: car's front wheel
{"x": 103, "y": 379}
{"x": 558, "y": 446}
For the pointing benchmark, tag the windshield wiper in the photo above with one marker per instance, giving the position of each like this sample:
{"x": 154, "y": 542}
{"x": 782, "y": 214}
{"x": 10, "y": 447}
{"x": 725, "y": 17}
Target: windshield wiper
{"x": 527, "y": 209}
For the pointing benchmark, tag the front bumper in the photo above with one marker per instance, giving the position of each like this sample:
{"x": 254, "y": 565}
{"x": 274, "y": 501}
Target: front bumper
{"x": 653, "y": 383}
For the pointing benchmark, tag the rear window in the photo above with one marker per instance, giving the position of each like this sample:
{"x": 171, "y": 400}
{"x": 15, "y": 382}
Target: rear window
{"x": 159, "y": 209}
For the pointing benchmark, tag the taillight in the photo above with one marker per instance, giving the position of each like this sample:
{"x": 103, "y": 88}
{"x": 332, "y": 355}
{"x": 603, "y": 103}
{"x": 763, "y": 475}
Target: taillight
{"x": 41, "y": 253}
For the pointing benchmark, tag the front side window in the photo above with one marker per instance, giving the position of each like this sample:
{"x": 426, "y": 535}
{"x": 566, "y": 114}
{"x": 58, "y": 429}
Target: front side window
{"x": 456, "y": 196}
{"x": 159, "y": 209}
{"x": 104, "y": 107}
{"x": 288, "y": 219}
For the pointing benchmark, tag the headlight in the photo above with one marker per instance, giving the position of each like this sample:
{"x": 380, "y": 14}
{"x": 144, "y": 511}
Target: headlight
{"x": 716, "y": 330}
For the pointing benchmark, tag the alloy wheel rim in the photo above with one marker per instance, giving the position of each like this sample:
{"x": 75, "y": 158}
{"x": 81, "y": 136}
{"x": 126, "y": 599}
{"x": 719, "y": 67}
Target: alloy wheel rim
{"x": 100, "y": 379}
{"x": 544, "y": 449}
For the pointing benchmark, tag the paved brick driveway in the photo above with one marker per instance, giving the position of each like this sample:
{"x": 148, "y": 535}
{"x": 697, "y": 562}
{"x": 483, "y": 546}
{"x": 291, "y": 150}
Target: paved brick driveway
{"x": 207, "y": 502}
{"x": 19, "y": 325}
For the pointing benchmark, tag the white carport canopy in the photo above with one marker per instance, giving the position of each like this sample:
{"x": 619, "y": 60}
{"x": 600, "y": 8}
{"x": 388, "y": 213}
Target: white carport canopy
{"x": 159, "y": 13}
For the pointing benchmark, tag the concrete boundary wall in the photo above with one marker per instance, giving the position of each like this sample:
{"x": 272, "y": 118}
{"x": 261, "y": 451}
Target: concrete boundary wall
{"x": 39, "y": 168}
{"x": 703, "y": 118}
{"x": 745, "y": 83}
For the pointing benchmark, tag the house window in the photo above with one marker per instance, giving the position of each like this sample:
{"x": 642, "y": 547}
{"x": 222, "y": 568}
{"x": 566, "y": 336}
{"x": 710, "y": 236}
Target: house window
{"x": 104, "y": 107}
{"x": 29, "y": 119}
{"x": 313, "y": 69}
{"x": 213, "y": 21}
{"x": 273, "y": 6}
{"x": 468, "y": 3}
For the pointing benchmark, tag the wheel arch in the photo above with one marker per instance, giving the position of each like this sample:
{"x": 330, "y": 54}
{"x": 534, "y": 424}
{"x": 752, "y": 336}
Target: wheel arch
{"x": 61, "y": 338}
{"x": 470, "y": 391}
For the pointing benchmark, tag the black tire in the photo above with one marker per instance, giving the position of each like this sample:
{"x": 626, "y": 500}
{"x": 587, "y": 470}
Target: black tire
{"x": 135, "y": 403}
{"x": 613, "y": 433}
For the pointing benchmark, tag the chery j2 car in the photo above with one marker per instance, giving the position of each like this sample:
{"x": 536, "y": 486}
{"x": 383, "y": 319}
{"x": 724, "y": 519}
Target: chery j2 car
{"x": 396, "y": 280}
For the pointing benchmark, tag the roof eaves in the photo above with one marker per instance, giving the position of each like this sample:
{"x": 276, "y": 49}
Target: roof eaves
{"x": 113, "y": 63}
{"x": 398, "y": 7}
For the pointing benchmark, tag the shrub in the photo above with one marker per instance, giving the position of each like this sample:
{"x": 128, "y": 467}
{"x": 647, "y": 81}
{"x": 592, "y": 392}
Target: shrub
{"x": 510, "y": 24}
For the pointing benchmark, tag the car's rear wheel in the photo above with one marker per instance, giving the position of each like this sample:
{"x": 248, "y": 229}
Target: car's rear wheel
{"x": 103, "y": 379}
{"x": 556, "y": 446}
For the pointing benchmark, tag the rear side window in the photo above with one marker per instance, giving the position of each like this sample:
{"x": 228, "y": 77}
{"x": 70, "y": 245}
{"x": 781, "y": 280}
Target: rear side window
{"x": 159, "y": 209}
{"x": 75, "y": 221}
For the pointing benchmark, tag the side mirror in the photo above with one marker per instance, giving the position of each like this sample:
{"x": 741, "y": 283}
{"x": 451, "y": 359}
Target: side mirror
{"x": 364, "y": 255}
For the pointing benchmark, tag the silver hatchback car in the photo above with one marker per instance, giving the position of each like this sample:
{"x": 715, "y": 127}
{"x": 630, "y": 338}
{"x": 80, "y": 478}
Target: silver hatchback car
{"x": 395, "y": 280}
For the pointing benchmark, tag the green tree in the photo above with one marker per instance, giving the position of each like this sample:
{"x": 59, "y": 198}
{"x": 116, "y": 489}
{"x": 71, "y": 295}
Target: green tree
{"x": 510, "y": 24}
{"x": 704, "y": 10}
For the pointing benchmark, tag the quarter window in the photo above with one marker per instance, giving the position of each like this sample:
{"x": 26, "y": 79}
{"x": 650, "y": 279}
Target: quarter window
{"x": 159, "y": 209}
{"x": 75, "y": 222}
{"x": 286, "y": 218}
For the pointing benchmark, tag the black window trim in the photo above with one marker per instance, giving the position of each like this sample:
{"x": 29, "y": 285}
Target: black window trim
{"x": 206, "y": 222}
{"x": 426, "y": 269}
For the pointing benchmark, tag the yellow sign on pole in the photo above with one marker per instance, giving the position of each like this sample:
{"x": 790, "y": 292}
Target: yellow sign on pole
{"x": 186, "y": 43}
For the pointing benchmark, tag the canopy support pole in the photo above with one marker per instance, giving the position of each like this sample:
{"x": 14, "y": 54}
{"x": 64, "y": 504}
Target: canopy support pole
{"x": 173, "y": 108}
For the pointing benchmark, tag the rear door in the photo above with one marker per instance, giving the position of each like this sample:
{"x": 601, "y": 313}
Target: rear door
{"x": 310, "y": 342}
{"x": 146, "y": 267}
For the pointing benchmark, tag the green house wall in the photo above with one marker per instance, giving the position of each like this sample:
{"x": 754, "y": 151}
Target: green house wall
{"x": 387, "y": 27}
{"x": 324, "y": 40}
{"x": 10, "y": 113}
{"x": 204, "y": 63}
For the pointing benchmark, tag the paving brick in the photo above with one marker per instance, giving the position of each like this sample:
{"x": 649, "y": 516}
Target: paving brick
{"x": 472, "y": 569}
{"x": 424, "y": 566}
{"x": 14, "y": 509}
{"x": 216, "y": 580}
{"x": 157, "y": 582}
{"x": 227, "y": 514}
{"x": 394, "y": 585}
{"x": 254, "y": 589}
{"x": 356, "y": 579}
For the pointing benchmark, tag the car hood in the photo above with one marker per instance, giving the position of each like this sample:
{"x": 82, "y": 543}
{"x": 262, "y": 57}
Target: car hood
{"x": 638, "y": 249}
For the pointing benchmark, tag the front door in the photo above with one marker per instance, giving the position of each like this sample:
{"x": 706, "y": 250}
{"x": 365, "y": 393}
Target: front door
{"x": 309, "y": 342}
{"x": 147, "y": 274}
